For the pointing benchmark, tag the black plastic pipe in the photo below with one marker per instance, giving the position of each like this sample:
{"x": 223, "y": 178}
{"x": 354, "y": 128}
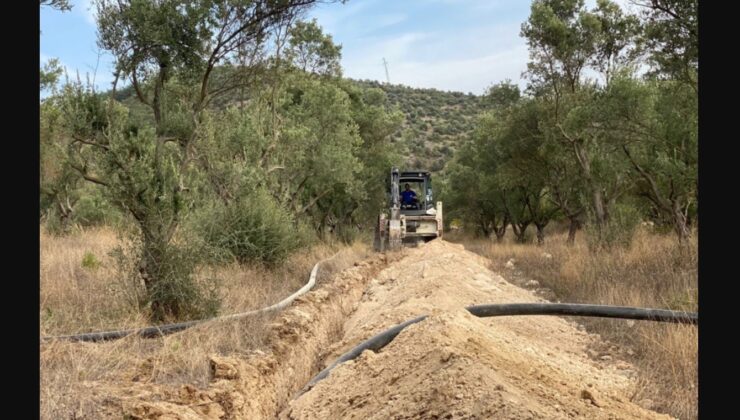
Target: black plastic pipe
{"x": 379, "y": 341}
{"x": 374, "y": 343}
{"x": 578, "y": 309}
{"x": 113, "y": 335}
{"x": 160, "y": 330}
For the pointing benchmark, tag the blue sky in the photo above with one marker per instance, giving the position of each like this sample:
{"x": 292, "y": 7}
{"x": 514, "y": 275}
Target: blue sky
{"x": 71, "y": 37}
{"x": 459, "y": 45}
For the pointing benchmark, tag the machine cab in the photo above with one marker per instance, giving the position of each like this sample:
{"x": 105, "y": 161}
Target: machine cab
{"x": 413, "y": 190}
{"x": 413, "y": 216}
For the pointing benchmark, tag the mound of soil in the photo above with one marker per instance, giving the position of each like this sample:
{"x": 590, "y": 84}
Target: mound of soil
{"x": 455, "y": 365}
{"x": 451, "y": 365}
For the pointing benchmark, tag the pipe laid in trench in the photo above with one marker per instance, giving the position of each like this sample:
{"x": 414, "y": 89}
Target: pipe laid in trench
{"x": 160, "y": 330}
{"x": 379, "y": 341}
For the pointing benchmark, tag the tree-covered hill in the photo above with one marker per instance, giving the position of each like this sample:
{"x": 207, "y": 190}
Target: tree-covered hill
{"x": 436, "y": 121}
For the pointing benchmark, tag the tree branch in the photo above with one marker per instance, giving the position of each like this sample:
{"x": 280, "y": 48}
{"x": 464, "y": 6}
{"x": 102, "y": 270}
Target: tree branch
{"x": 88, "y": 177}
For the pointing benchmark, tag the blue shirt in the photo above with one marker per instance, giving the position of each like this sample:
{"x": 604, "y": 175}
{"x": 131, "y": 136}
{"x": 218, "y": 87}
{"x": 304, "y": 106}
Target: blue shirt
{"x": 407, "y": 197}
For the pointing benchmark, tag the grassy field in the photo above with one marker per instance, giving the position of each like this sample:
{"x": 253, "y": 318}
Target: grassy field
{"x": 653, "y": 272}
{"x": 80, "y": 292}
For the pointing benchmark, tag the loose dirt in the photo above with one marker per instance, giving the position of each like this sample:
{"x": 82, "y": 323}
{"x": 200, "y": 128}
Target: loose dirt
{"x": 455, "y": 365}
{"x": 451, "y": 365}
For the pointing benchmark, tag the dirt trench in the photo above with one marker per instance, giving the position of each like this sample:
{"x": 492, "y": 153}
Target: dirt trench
{"x": 451, "y": 365}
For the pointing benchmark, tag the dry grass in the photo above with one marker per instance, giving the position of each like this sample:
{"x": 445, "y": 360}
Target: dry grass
{"x": 653, "y": 272}
{"x": 78, "y": 299}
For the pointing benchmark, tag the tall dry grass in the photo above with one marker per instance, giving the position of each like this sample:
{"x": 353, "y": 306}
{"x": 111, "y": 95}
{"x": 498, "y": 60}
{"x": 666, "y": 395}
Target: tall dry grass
{"x": 654, "y": 271}
{"x": 81, "y": 297}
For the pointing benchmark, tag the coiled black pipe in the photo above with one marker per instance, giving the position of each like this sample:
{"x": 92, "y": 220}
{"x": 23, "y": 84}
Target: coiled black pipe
{"x": 379, "y": 341}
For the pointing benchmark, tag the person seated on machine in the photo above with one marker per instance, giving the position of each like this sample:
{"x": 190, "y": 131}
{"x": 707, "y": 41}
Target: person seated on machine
{"x": 408, "y": 197}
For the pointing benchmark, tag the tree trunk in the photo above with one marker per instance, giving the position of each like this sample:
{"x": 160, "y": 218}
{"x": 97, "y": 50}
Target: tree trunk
{"x": 500, "y": 232}
{"x": 519, "y": 230}
{"x": 540, "y": 234}
{"x": 597, "y": 199}
{"x": 157, "y": 99}
{"x": 574, "y": 226}
{"x": 152, "y": 266}
{"x": 484, "y": 229}
{"x": 680, "y": 224}
{"x": 599, "y": 208}
{"x": 65, "y": 214}
{"x": 149, "y": 270}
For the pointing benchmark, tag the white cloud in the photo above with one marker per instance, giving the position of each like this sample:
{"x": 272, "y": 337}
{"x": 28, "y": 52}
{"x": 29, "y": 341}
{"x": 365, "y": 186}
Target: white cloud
{"x": 473, "y": 5}
{"x": 389, "y": 19}
{"x": 392, "y": 48}
{"x": 468, "y": 61}
{"x": 465, "y": 75}
{"x": 334, "y": 21}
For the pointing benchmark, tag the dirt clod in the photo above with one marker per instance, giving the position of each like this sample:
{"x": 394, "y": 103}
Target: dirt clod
{"x": 589, "y": 396}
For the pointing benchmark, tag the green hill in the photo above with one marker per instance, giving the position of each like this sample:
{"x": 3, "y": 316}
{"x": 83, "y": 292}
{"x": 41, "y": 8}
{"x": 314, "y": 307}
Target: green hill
{"x": 436, "y": 122}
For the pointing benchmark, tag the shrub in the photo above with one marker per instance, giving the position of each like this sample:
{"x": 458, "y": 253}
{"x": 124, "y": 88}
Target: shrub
{"x": 618, "y": 231}
{"x": 252, "y": 229}
{"x": 94, "y": 210}
{"x": 176, "y": 294}
{"x": 90, "y": 261}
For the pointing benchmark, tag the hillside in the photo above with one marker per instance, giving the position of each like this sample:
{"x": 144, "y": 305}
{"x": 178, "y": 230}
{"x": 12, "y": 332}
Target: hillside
{"x": 436, "y": 121}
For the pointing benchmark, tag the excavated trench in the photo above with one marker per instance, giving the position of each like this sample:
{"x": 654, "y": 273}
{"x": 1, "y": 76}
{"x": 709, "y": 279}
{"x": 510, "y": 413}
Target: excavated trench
{"x": 451, "y": 365}
{"x": 260, "y": 385}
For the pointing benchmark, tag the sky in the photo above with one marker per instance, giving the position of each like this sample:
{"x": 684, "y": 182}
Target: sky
{"x": 452, "y": 45}
{"x": 457, "y": 45}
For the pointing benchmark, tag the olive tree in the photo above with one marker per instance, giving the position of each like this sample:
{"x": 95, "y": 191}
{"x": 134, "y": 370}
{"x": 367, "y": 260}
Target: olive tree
{"x": 168, "y": 50}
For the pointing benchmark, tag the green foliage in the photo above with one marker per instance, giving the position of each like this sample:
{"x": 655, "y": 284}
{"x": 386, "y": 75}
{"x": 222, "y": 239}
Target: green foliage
{"x": 50, "y": 74}
{"x": 177, "y": 294}
{"x": 471, "y": 191}
{"x": 262, "y": 148}
{"x": 376, "y": 121}
{"x": 93, "y": 209}
{"x": 252, "y": 229}
{"x": 661, "y": 145}
{"x": 89, "y": 260}
{"x": 613, "y": 150}
{"x": 672, "y": 38}
{"x": 617, "y": 232}
{"x": 313, "y": 51}
{"x": 565, "y": 38}
{"x": 59, "y": 183}
{"x": 502, "y": 94}
{"x": 432, "y": 118}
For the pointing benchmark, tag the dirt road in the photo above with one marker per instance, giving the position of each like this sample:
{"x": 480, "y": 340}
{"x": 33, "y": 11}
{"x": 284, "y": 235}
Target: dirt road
{"x": 451, "y": 365}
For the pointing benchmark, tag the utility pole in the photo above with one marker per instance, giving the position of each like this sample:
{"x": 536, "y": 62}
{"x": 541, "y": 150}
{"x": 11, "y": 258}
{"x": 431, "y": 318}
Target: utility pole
{"x": 387, "y": 78}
